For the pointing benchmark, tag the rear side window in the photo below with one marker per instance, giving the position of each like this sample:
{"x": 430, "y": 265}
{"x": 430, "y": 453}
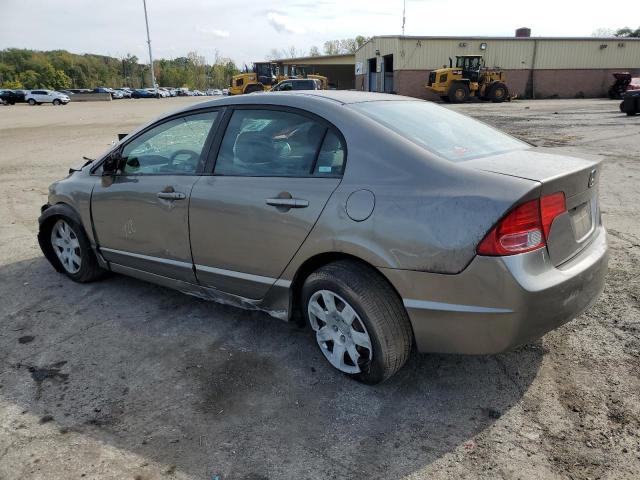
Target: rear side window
{"x": 303, "y": 85}
{"x": 448, "y": 134}
{"x": 331, "y": 157}
{"x": 270, "y": 143}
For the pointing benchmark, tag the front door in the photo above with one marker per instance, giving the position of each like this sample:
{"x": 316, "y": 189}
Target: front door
{"x": 274, "y": 173}
{"x": 141, "y": 215}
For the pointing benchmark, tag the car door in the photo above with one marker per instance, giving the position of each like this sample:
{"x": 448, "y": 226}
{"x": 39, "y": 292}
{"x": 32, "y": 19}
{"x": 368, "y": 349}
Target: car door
{"x": 140, "y": 216}
{"x": 274, "y": 172}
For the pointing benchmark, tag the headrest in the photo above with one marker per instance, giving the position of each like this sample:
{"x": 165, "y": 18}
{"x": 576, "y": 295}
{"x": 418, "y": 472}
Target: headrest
{"x": 253, "y": 147}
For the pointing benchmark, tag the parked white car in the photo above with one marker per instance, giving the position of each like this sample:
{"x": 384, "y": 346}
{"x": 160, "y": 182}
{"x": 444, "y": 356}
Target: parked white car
{"x": 38, "y": 97}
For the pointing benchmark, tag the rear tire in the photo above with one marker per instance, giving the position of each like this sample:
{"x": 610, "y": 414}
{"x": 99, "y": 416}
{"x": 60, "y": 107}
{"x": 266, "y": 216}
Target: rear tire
{"x": 498, "y": 92}
{"x": 376, "y": 315}
{"x": 458, "y": 92}
{"x": 31, "y": 102}
{"x": 72, "y": 252}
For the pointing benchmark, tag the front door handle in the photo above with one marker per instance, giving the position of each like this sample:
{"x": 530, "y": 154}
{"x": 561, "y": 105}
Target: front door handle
{"x": 288, "y": 202}
{"x": 171, "y": 195}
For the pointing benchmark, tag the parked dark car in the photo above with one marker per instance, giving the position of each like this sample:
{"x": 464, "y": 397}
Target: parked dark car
{"x": 387, "y": 222}
{"x": 12, "y": 96}
{"x": 77, "y": 90}
{"x": 142, "y": 93}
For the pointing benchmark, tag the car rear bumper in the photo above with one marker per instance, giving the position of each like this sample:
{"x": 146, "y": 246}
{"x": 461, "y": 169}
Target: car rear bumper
{"x": 498, "y": 303}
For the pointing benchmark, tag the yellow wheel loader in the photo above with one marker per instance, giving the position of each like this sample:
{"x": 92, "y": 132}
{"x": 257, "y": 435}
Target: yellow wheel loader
{"x": 264, "y": 75}
{"x": 261, "y": 78}
{"x": 469, "y": 78}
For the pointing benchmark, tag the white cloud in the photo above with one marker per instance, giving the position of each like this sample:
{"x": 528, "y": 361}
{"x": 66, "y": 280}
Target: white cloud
{"x": 284, "y": 24}
{"x": 214, "y": 32}
{"x": 104, "y": 29}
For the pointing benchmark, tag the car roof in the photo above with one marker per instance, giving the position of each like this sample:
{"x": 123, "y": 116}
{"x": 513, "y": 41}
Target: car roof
{"x": 311, "y": 96}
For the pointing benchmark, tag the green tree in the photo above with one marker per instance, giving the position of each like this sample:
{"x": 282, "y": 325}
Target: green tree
{"x": 12, "y": 84}
{"x": 627, "y": 32}
{"x": 59, "y": 69}
{"x": 29, "y": 79}
{"x": 53, "y": 78}
{"x": 346, "y": 45}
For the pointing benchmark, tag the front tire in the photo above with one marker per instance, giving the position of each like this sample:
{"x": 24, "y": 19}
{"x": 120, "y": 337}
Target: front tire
{"x": 56, "y": 102}
{"x": 498, "y": 92}
{"x": 458, "y": 92}
{"x": 360, "y": 323}
{"x": 72, "y": 253}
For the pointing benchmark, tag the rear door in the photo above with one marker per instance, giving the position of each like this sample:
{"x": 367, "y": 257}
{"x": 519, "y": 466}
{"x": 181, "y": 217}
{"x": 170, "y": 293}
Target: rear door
{"x": 274, "y": 173}
{"x": 141, "y": 216}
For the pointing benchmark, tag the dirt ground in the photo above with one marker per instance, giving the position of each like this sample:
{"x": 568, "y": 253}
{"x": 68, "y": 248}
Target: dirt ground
{"x": 121, "y": 379}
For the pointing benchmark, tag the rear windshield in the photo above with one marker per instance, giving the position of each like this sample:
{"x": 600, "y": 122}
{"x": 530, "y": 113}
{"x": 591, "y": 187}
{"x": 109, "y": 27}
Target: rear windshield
{"x": 446, "y": 133}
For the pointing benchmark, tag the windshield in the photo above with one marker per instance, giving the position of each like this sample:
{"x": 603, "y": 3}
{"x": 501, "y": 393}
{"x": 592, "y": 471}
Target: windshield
{"x": 446, "y": 133}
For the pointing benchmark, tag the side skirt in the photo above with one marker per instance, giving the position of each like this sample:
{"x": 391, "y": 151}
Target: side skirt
{"x": 204, "y": 293}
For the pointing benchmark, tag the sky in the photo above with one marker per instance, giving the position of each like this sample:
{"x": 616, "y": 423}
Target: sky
{"x": 249, "y": 30}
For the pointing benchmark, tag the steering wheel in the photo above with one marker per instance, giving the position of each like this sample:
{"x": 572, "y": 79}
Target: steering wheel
{"x": 193, "y": 159}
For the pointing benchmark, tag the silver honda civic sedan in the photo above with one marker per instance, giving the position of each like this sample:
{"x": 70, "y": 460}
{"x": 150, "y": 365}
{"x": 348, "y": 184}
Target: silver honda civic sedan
{"x": 383, "y": 221}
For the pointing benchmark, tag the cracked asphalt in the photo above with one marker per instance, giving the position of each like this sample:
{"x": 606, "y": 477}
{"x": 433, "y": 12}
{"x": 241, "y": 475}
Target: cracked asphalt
{"x": 120, "y": 379}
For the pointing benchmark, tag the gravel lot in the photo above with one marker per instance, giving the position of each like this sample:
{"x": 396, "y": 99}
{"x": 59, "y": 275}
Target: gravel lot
{"x": 121, "y": 379}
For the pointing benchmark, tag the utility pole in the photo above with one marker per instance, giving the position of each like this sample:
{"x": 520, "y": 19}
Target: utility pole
{"x": 153, "y": 77}
{"x": 404, "y": 16}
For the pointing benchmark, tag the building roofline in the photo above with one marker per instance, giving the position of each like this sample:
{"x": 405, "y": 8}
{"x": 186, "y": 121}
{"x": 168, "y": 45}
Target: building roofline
{"x": 322, "y": 57}
{"x": 476, "y": 37}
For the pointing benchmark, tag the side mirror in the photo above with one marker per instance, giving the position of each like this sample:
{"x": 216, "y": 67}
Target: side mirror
{"x": 112, "y": 164}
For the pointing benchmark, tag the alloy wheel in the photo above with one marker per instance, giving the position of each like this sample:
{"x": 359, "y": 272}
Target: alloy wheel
{"x": 340, "y": 333}
{"x": 66, "y": 245}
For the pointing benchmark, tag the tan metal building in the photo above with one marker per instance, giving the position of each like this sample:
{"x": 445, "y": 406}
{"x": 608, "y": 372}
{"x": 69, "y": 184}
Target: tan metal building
{"x": 337, "y": 68}
{"x": 538, "y": 67}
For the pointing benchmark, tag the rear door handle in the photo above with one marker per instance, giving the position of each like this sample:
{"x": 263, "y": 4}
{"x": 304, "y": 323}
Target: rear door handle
{"x": 288, "y": 202}
{"x": 171, "y": 195}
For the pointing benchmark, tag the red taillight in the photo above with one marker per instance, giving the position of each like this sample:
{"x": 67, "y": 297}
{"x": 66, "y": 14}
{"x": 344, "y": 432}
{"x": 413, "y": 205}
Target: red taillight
{"x": 550, "y": 207}
{"x": 525, "y": 228}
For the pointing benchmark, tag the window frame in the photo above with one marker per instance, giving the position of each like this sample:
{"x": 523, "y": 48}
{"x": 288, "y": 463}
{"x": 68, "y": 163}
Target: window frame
{"x": 206, "y": 148}
{"x": 224, "y": 124}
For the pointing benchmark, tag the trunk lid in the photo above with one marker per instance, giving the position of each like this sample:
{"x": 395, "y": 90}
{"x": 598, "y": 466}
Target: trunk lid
{"x": 577, "y": 178}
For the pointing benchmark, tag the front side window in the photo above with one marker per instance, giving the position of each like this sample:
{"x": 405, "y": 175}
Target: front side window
{"x": 271, "y": 143}
{"x": 173, "y": 147}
